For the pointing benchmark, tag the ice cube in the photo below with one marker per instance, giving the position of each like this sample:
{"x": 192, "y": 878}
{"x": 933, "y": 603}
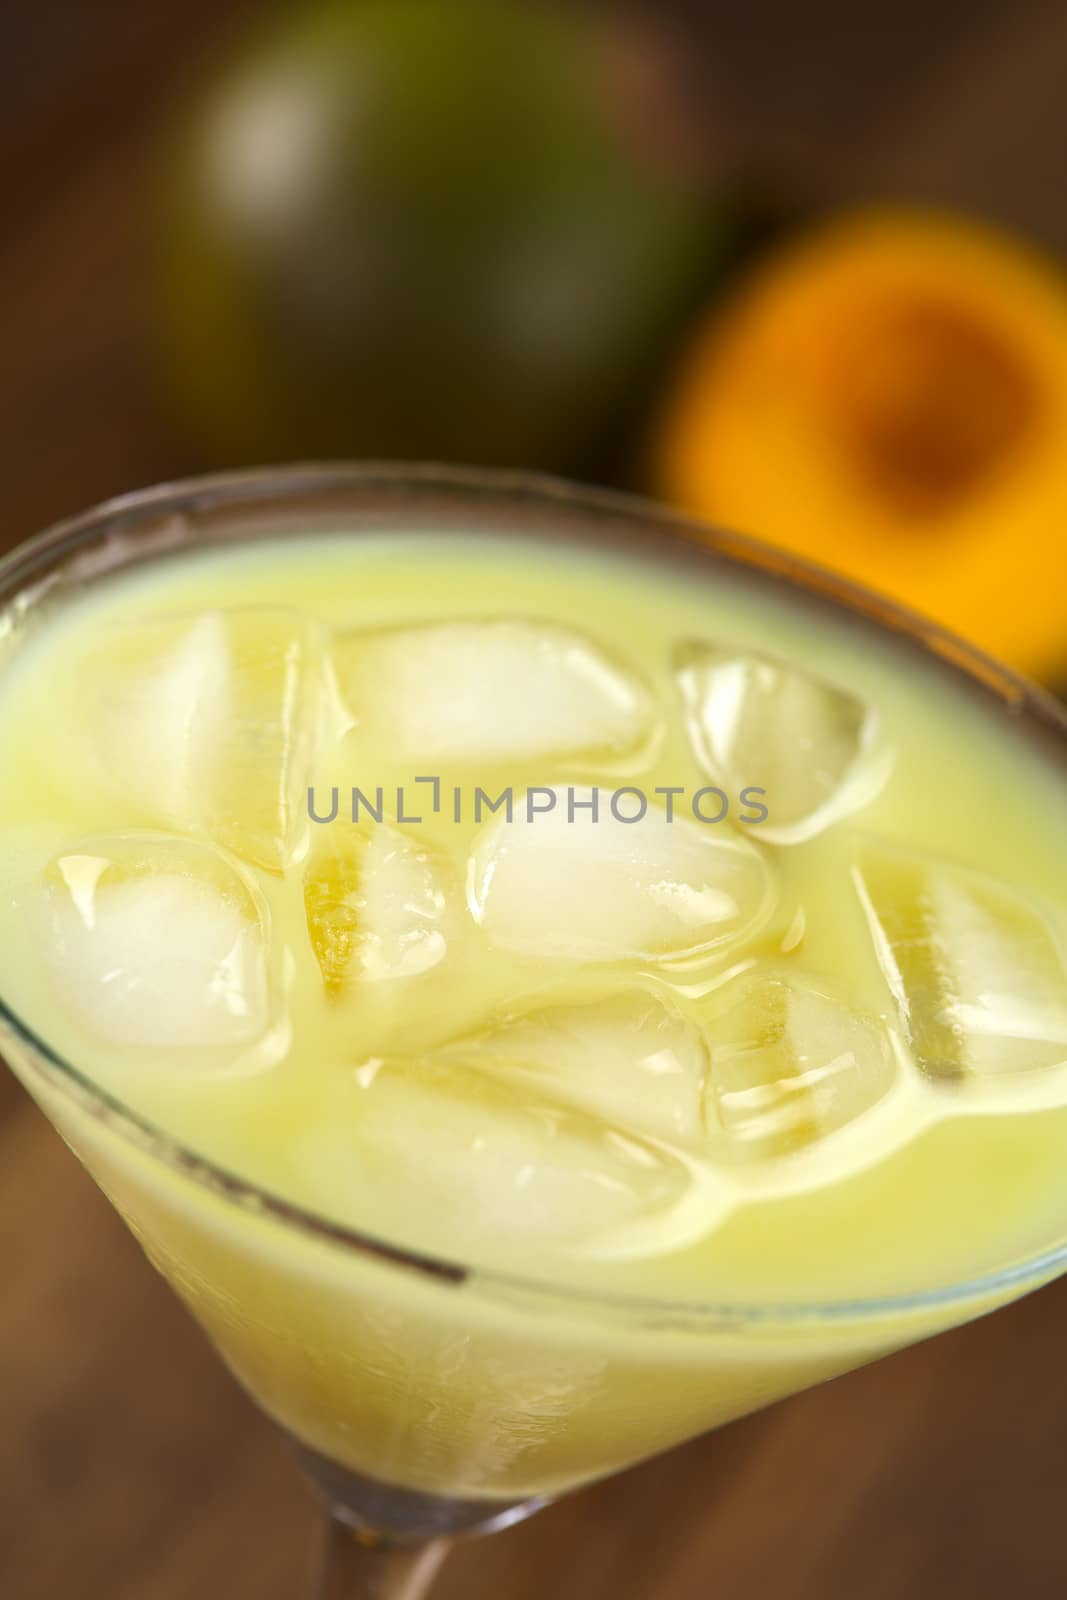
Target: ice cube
{"x": 481, "y": 1160}
{"x": 375, "y": 904}
{"x": 156, "y": 942}
{"x": 207, "y": 723}
{"x": 756, "y": 722}
{"x": 630, "y": 1058}
{"x": 492, "y": 690}
{"x": 790, "y": 1064}
{"x": 975, "y": 968}
{"x": 566, "y": 884}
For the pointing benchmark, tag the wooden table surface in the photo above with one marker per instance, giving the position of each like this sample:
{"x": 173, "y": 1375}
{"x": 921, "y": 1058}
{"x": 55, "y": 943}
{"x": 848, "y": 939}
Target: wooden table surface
{"x": 131, "y": 1467}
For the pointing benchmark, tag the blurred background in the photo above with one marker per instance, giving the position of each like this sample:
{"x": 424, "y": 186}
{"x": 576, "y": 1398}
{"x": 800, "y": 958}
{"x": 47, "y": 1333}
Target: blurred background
{"x": 797, "y": 270}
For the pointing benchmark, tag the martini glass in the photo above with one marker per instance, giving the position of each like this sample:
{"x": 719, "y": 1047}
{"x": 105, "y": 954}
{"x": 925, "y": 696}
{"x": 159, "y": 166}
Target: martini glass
{"x": 425, "y": 1397}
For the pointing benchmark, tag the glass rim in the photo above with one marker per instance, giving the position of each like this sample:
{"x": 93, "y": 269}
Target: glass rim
{"x": 684, "y": 535}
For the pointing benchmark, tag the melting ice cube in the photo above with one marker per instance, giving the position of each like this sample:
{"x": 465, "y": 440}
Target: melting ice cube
{"x": 156, "y": 942}
{"x": 480, "y": 1159}
{"x": 207, "y": 721}
{"x": 567, "y": 884}
{"x": 630, "y": 1058}
{"x": 488, "y": 690}
{"x": 975, "y": 968}
{"x": 756, "y": 722}
{"x": 375, "y": 907}
{"x": 790, "y": 1063}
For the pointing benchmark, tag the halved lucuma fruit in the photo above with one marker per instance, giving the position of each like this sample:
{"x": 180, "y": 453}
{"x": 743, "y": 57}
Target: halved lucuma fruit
{"x": 889, "y": 397}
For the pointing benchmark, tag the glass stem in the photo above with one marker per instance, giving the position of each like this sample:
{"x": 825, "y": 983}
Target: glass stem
{"x": 353, "y": 1566}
